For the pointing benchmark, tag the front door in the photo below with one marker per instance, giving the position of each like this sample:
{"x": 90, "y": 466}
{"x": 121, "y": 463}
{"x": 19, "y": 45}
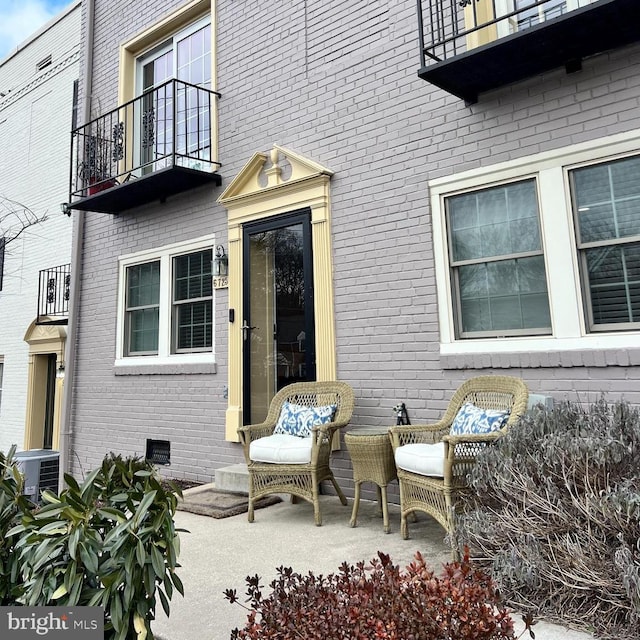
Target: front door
{"x": 278, "y": 324}
{"x": 50, "y": 402}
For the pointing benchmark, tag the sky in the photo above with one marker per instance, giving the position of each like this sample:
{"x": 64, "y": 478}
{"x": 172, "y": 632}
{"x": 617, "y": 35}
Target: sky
{"x": 20, "y": 18}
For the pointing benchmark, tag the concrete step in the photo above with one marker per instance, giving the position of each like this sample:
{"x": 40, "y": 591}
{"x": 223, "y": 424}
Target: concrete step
{"x": 233, "y": 478}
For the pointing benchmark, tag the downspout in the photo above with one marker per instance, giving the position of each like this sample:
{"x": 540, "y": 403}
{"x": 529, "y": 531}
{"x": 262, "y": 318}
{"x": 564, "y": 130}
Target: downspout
{"x": 66, "y": 428}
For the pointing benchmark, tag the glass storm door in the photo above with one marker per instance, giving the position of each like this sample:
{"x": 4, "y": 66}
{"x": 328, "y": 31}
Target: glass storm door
{"x": 278, "y": 324}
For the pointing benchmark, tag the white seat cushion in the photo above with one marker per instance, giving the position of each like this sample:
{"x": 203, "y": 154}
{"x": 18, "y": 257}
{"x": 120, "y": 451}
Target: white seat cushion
{"x": 424, "y": 459}
{"x": 281, "y": 448}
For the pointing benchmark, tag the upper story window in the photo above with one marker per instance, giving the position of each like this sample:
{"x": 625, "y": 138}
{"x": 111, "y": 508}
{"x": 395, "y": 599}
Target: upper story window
{"x": 470, "y": 47}
{"x": 166, "y": 304}
{"x": 498, "y": 273}
{"x": 540, "y": 253}
{"x": 160, "y": 140}
{"x": 185, "y": 56}
{"x": 176, "y": 116}
{"x": 519, "y": 15}
{"x": 531, "y": 13}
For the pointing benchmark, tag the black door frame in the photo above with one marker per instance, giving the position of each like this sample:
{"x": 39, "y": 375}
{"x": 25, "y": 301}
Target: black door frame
{"x": 299, "y": 216}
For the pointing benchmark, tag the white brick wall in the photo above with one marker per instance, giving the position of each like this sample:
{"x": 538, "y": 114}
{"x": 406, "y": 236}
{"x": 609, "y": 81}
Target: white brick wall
{"x": 35, "y": 125}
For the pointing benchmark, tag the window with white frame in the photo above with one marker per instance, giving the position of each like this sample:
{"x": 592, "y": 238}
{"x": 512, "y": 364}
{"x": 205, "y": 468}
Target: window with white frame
{"x": 606, "y": 206}
{"x": 192, "y": 301}
{"x": 541, "y": 253}
{"x": 166, "y": 302}
{"x": 143, "y": 308}
{"x": 498, "y": 273}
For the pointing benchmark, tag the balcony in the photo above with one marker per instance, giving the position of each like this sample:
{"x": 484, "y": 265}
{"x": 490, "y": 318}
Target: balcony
{"x": 468, "y": 47}
{"x": 152, "y": 147}
{"x": 53, "y": 295}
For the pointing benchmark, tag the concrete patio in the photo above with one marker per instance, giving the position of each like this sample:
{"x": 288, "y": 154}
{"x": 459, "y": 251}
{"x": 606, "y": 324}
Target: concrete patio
{"x": 219, "y": 554}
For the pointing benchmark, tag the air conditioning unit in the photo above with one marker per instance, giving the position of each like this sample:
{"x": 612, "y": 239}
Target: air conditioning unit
{"x": 40, "y": 468}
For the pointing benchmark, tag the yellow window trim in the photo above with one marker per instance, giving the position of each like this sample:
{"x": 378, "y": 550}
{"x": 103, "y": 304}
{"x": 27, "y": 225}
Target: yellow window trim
{"x": 259, "y": 191}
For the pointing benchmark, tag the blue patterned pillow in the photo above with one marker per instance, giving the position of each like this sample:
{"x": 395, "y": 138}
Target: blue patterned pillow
{"x": 471, "y": 419}
{"x": 298, "y": 420}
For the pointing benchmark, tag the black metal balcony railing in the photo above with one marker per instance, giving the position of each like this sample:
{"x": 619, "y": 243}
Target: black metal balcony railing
{"x": 53, "y": 295}
{"x": 471, "y": 46}
{"x": 155, "y": 145}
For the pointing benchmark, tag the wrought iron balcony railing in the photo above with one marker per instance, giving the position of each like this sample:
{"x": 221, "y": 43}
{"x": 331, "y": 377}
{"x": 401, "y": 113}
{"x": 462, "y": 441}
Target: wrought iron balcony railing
{"x": 53, "y": 295}
{"x": 155, "y": 145}
{"x": 470, "y": 46}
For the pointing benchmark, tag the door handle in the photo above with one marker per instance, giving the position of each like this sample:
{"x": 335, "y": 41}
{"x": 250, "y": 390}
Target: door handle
{"x": 245, "y": 329}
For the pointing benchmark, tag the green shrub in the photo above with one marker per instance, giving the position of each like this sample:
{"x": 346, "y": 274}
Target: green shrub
{"x": 110, "y": 542}
{"x": 378, "y": 602}
{"x": 13, "y": 504}
{"x": 555, "y": 515}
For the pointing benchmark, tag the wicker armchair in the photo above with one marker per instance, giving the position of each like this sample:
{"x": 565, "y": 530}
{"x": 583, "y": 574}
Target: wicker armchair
{"x": 301, "y": 479}
{"x": 438, "y": 495}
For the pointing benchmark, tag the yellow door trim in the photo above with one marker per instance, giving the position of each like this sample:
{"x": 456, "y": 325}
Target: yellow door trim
{"x": 268, "y": 185}
{"x": 43, "y": 340}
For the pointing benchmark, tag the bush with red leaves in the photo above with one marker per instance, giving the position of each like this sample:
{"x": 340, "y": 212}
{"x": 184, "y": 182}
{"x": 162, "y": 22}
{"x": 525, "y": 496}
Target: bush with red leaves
{"x": 376, "y": 602}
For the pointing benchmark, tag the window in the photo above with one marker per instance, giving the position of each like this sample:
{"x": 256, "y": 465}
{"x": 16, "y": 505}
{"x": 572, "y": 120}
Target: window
{"x": 606, "y": 203}
{"x": 513, "y": 16}
{"x": 192, "y": 296}
{"x": 542, "y": 253}
{"x": 1, "y": 376}
{"x": 186, "y": 56}
{"x": 498, "y": 272}
{"x": 166, "y": 303}
{"x": 143, "y": 308}
{"x": 531, "y": 12}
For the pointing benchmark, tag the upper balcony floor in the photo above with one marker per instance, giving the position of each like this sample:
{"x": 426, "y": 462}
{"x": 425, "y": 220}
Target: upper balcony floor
{"x": 468, "y": 47}
{"x": 152, "y": 147}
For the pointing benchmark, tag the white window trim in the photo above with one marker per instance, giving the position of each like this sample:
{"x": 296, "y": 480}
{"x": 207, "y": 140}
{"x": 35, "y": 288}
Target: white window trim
{"x": 558, "y": 241}
{"x": 164, "y": 357}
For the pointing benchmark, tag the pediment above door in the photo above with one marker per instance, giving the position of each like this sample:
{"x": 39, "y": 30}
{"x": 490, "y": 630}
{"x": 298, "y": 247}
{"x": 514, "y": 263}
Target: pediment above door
{"x": 264, "y": 172}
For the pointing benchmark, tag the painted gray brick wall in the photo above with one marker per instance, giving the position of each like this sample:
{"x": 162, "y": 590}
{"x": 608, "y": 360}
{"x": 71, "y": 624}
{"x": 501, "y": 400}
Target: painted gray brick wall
{"x": 337, "y": 82}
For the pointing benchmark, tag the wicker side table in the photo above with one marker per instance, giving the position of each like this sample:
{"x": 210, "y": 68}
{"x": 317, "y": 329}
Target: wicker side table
{"x": 372, "y": 460}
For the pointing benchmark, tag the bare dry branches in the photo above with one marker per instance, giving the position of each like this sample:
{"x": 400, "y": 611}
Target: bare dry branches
{"x": 556, "y": 516}
{"x": 15, "y": 219}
